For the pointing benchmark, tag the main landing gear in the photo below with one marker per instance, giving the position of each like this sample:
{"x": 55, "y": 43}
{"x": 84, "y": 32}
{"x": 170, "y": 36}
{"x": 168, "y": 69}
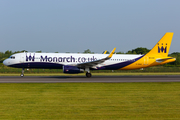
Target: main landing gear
{"x": 88, "y": 74}
{"x": 22, "y": 73}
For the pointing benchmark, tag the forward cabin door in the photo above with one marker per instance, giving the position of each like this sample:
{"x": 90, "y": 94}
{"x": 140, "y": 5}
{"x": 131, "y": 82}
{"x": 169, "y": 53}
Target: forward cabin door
{"x": 22, "y": 59}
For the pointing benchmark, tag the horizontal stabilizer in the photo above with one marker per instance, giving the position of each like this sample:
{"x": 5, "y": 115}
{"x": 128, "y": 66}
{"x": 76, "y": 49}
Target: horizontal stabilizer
{"x": 163, "y": 59}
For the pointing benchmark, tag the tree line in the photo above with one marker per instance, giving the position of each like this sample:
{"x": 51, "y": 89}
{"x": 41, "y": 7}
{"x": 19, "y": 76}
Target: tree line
{"x": 139, "y": 50}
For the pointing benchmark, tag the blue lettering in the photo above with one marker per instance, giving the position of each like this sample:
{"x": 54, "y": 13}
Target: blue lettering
{"x": 72, "y": 59}
{"x": 60, "y": 59}
{"x": 54, "y": 59}
{"x": 94, "y": 58}
{"x": 83, "y": 59}
{"x": 50, "y": 59}
{"x": 79, "y": 59}
{"x": 44, "y": 59}
{"x": 64, "y": 59}
{"x": 67, "y": 59}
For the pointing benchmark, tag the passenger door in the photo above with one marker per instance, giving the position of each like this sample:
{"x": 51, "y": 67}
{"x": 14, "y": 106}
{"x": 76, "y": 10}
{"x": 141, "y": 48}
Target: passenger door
{"x": 22, "y": 57}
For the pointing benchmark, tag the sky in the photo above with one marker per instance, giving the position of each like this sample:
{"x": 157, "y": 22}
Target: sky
{"x": 78, "y": 25}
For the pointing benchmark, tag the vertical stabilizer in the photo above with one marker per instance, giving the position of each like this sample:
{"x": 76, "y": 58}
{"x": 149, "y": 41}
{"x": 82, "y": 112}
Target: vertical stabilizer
{"x": 163, "y": 46}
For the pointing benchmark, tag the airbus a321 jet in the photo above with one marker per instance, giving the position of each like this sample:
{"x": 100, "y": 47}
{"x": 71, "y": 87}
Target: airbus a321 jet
{"x": 77, "y": 63}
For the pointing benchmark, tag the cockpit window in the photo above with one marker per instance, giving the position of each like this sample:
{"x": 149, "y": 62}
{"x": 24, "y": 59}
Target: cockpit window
{"x": 12, "y": 57}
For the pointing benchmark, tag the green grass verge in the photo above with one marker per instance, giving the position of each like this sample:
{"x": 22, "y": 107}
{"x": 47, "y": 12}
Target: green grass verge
{"x": 93, "y": 74}
{"x": 90, "y": 101}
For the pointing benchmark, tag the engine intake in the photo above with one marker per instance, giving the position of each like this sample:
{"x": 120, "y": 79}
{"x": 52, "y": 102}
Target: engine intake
{"x": 72, "y": 69}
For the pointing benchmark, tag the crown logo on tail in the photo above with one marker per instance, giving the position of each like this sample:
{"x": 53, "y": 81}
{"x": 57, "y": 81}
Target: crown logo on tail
{"x": 162, "y": 49}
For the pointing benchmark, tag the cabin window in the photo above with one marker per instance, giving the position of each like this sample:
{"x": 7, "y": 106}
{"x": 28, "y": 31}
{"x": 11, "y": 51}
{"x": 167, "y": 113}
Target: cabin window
{"x": 12, "y": 57}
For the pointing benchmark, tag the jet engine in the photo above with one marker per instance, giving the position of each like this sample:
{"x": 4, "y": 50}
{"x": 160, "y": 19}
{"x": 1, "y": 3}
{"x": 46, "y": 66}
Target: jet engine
{"x": 72, "y": 69}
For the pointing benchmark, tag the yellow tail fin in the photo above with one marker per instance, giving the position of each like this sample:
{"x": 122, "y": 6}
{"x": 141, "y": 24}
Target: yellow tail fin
{"x": 163, "y": 46}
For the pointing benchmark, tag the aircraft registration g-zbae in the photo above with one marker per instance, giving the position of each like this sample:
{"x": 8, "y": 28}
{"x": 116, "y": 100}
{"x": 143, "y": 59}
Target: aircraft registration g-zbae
{"x": 77, "y": 63}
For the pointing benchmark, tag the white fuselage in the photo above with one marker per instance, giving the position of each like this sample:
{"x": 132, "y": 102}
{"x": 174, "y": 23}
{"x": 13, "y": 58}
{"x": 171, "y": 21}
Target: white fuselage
{"x": 57, "y": 60}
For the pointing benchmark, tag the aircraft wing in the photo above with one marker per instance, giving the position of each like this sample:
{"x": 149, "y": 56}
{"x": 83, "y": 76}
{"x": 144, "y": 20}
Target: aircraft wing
{"x": 96, "y": 62}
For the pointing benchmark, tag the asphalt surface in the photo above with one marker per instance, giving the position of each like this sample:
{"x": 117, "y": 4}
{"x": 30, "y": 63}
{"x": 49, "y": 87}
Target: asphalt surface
{"x": 82, "y": 79}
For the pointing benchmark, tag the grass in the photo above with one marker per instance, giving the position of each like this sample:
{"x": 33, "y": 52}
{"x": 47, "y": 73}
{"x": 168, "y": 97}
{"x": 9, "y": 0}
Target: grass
{"x": 91, "y": 101}
{"x": 93, "y": 74}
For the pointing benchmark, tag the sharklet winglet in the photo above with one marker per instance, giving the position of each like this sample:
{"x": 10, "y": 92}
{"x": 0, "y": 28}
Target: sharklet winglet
{"x": 112, "y": 52}
{"x": 105, "y": 52}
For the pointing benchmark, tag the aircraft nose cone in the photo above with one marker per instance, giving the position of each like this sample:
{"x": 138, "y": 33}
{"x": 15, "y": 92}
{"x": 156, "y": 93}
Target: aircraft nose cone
{"x": 5, "y": 62}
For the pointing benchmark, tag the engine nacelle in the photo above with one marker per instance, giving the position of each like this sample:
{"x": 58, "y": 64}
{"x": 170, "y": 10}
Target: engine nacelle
{"x": 72, "y": 69}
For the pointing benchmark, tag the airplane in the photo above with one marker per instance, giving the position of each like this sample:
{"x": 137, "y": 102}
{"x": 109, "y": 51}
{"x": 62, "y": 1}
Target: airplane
{"x": 74, "y": 63}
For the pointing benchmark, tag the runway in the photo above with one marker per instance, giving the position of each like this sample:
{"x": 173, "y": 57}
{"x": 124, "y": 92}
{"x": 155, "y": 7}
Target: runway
{"x": 82, "y": 79}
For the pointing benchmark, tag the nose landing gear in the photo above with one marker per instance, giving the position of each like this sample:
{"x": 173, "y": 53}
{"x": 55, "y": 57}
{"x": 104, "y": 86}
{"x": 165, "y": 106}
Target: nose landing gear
{"x": 22, "y": 73}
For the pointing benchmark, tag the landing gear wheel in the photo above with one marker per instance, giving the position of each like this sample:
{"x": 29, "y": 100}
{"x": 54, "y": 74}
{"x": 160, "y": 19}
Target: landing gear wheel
{"x": 88, "y": 75}
{"x": 22, "y": 75}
